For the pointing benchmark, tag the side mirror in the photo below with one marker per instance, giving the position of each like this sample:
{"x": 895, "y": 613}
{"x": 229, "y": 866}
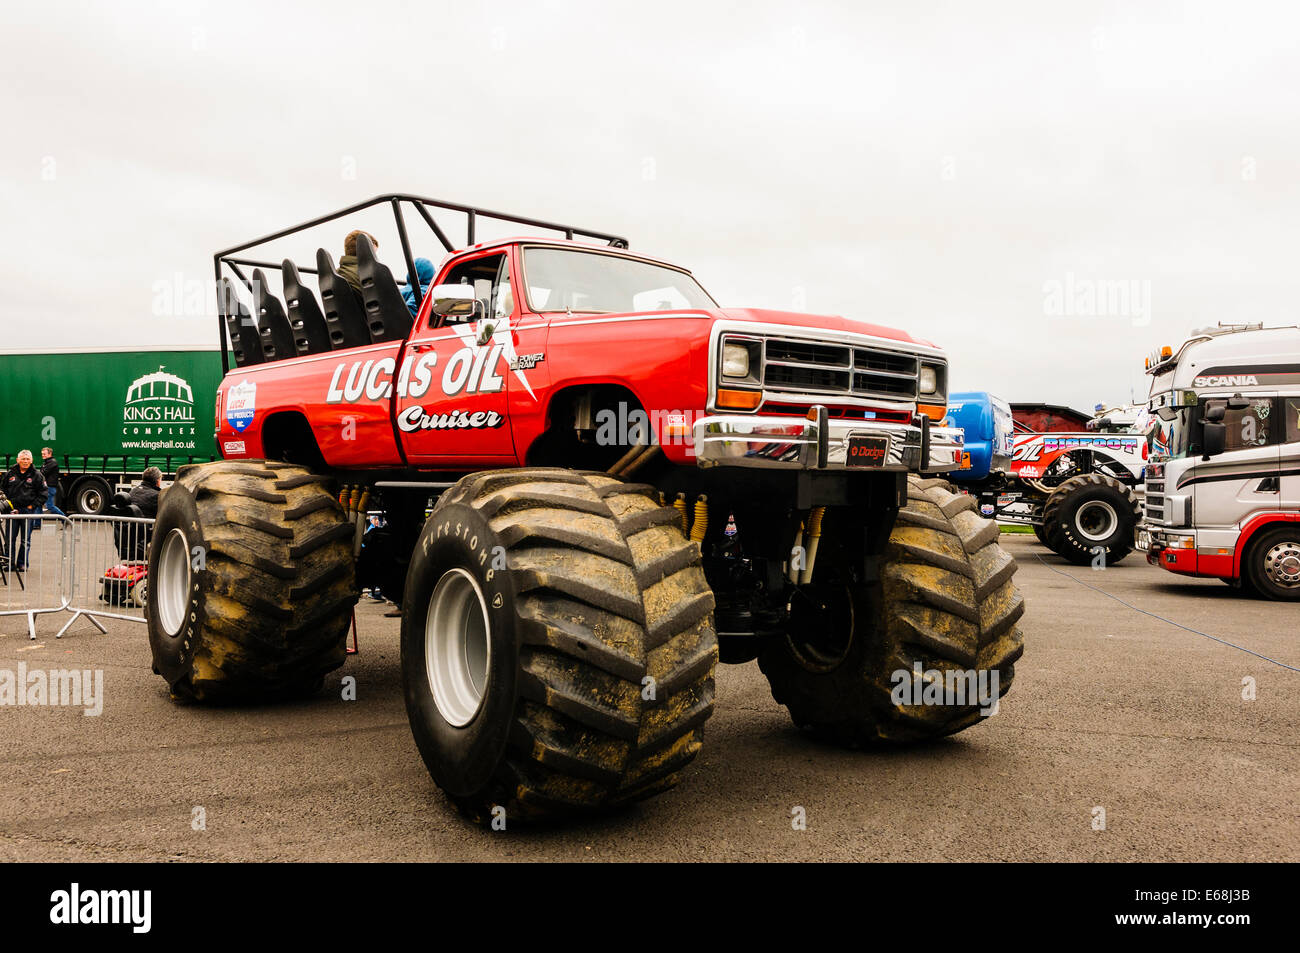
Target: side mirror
{"x": 1215, "y": 439}
{"x": 453, "y": 300}
{"x": 1215, "y": 412}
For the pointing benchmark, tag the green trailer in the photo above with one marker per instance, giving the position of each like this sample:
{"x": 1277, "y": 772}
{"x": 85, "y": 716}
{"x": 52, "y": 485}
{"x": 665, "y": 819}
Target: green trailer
{"x": 108, "y": 414}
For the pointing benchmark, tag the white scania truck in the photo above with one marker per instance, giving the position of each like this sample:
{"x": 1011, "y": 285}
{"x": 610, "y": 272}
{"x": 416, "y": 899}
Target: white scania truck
{"x": 1223, "y": 476}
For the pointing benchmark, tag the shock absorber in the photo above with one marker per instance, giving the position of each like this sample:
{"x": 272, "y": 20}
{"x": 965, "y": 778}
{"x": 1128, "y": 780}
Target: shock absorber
{"x": 679, "y": 505}
{"x": 701, "y": 525}
{"x": 811, "y": 538}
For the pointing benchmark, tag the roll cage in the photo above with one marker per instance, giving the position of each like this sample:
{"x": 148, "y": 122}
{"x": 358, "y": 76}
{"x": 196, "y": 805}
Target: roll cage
{"x": 303, "y": 327}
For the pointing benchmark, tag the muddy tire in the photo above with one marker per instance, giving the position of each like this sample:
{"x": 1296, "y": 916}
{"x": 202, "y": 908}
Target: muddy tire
{"x": 944, "y": 598}
{"x": 585, "y": 627}
{"x": 1089, "y": 511}
{"x": 251, "y": 583}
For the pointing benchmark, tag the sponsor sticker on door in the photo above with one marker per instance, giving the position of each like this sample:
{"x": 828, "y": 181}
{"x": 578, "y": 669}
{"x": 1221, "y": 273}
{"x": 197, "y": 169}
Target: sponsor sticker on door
{"x": 241, "y": 401}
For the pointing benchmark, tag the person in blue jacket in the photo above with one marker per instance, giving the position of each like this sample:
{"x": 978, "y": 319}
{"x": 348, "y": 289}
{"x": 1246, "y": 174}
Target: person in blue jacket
{"x": 423, "y": 271}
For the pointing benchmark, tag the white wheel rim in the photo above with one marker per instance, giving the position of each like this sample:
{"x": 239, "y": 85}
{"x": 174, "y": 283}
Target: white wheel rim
{"x": 457, "y": 649}
{"x": 1096, "y": 520}
{"x": 171, "y": 588}
{"x": 1282, "y": 564}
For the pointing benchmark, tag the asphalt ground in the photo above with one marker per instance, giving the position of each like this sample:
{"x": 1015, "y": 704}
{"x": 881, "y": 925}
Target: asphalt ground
{"x": 1113, "y": 710}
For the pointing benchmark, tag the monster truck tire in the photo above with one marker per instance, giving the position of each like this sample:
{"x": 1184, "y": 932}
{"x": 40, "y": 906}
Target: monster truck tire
{"x": 557, "y": 644}
{"x": 944, "y": 597}
{"x": 1040, "y": 533}
{"x": 265, "y": 613}
{"x": 1087, "y": 511}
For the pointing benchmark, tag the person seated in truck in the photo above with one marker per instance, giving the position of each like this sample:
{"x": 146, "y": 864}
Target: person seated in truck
{"x": 25, "y": 488}
{"x": 145, "y": 493}
{"x": 423, "y": 272}
{"x": 348, "y": 263}
{"x": 50, "y": 470}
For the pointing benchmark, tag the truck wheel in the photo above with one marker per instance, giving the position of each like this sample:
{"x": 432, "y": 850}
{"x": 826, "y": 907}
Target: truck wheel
{"x": 251, "y": 582}
{"x": 557, "y": 644}
{"x": 1089, "y": 511}
{"x": 943, "y": 600}
{"x": 1272, "y": 567}
{"x": 1040, "y": 533}
{"x": 90, "y": 496}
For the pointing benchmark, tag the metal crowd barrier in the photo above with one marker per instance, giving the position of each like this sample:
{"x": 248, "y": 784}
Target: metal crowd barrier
{"x": 91, "y": 566}
{"x": 108, "y": 573}
{"x": 35, "y": 553}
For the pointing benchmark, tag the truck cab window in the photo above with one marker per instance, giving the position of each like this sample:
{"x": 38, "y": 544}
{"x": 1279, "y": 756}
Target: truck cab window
{"x": 1253, "y": 427}
{"x": 490, "y": 278}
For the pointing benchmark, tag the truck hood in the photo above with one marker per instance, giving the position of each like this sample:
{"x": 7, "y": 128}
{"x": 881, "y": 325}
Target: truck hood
{"x": 829, "y": 322}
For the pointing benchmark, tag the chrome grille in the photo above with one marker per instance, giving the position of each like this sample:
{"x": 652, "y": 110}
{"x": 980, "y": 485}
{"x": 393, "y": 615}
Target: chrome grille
{"x": 1154, "y": 501}
{"x": 816, "y": 368}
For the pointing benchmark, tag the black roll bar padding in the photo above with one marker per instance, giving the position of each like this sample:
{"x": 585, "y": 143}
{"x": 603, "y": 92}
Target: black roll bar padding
{"x": 244, "y": 339}
{"x": 344, "y": 318}
{"x": 310, "y": 335}
{"x": 434, "y": 227}
{"x": 222, "y": 321}
{"x": 387, "y": 316}
{"x": 425, "y": 202}
{"x": 406, "y": 251}
{"x": 272, "y": 323}
{"x": 257, "y": 263}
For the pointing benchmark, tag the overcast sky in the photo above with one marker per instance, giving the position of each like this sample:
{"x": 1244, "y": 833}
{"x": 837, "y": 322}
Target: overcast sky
{"x": 999, "y": 178}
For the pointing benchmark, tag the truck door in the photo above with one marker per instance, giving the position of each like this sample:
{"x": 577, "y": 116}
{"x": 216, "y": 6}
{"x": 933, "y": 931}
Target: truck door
{"x": 1290, "y": 453}
{"x": 1227, "y": 489}
{"x": 451, "y": 394}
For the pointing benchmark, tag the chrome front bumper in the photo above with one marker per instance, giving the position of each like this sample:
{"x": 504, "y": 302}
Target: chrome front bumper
{"x": 799, "y": 443}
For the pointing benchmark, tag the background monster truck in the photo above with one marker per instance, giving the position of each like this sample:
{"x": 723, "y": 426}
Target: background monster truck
{"x": 1079, "y": 489}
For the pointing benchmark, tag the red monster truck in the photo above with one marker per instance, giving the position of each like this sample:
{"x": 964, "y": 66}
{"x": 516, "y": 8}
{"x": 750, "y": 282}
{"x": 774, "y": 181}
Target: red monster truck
{"x": 626, "y": 482}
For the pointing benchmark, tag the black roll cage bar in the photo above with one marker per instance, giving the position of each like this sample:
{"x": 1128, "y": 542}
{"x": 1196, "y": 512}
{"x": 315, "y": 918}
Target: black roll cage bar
{"x": 420, "y": 204}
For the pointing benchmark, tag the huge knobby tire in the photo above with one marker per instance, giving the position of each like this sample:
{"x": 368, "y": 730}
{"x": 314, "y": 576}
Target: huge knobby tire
{"x": 944, "y": 598}
{"x": 1090, "y": 516}
{"x": 585, "y": 625}
{"x": 250, "y": 580}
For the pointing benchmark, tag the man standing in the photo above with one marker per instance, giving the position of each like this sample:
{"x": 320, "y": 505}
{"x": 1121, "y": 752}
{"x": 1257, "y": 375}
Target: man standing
{"x": 25, "y": 488}
{"x": 50, "y": 471}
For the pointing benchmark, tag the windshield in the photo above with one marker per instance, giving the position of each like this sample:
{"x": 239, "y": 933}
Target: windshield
{"x": 1178, "y": 430}
{"x": 1171, "y": 437}
{"x": 560, "y": 279}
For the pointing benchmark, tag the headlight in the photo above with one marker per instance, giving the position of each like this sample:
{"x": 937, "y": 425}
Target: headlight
{"x": 929, "y": 380}
{"x": 735, "y": 360}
